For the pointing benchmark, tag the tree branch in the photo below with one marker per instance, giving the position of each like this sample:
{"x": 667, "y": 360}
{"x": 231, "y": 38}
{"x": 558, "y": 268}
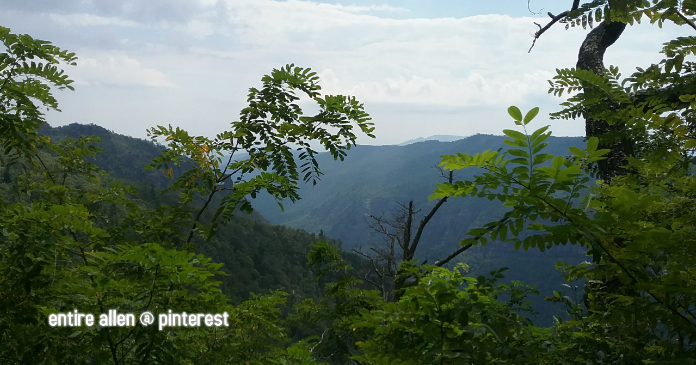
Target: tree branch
{"x": 409, "y": 249}
{"x": 453, "y": 255}
{"x": 554, "y": 19}
{"x": 687, "y": 20}
{"x": 424, "y": 221}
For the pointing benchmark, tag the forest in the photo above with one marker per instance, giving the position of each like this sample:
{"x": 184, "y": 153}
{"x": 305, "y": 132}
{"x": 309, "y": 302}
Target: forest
{"x": 95, "y": 222}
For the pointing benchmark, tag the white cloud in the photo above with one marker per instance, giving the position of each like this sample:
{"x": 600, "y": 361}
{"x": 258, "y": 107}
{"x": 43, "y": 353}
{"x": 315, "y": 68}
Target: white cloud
{"x": 200, "y": 29}
{"x": 211, "y": 52}
{"x": 383, "y": 7}
{"x": 87, "y": 20}
{"x": 444, "y": 70}
{"x": 465, "y": 62}
{"x": 117, "y": 70}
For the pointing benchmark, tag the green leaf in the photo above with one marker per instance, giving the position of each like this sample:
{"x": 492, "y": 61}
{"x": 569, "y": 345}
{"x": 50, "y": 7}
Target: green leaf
{"x": 516, "y": 143}
{"x": 541, "y": 158}
{"x": 503, "y": 233}
{"x": 518, "y": 153}
{"x": 557, "y": 162}
{"x": 530, "y": 115}
{"x": 521, "y": 170}
{"x": 592, "y": 144}
{"x": 577, "y": 152}
{"x": 515, "y": 113}
{"x": 538, "y": 132}
{"x": 514, "y": 134}
{"x": 539, "y": 147}
{"x": 539, "y": 139}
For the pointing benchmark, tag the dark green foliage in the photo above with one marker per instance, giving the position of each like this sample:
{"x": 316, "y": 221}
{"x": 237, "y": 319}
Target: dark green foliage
{"x": 257, "y": 257}
{"x": 448, "y": 319}
{"x": 28, "y": 69}
{"x": 125, "y": 157}
{"x": 256, "y": 154}
{"x": 72, "y": 237}
{"x": 639, "y": 299}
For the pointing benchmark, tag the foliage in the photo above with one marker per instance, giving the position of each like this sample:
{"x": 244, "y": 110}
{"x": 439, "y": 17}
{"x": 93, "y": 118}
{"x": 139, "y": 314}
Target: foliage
{"x": 333, "y": 315}
{"x": 638, "y": 229}
{"x": 447, "y": 319}
{"x": 630, "y": 11}
{"x": 267, "y": 130}
{"x": 28, "y": 69}
{"x": 533, "y": 191}
{"x": 69, "y": 242}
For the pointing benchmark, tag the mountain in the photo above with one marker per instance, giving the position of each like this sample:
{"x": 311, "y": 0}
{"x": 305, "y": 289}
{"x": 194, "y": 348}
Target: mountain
{"x": 374, "y": 180}
{"x": 257, "y": 256}
{"x": 125, "y": 157}
{"x": 437, "y": 137}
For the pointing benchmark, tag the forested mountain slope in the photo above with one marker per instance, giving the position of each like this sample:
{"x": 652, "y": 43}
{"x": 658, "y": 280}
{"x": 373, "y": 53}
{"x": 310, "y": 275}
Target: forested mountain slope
{"x": 257, "y": 256}
{"x": 374, "y": 180}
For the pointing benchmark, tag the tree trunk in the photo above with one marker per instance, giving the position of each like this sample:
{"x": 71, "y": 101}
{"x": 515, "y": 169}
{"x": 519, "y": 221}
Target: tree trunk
{"x": 591, "y": 57}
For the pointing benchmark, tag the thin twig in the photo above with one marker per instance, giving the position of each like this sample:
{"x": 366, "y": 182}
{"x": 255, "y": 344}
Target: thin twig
{"x": 529, "y": 7}
{"x": 554, "y": 19}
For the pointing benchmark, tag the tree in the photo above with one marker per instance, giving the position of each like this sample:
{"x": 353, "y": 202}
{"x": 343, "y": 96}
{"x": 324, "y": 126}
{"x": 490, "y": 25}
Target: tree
{"x": 647, "y": 121}
{"x": 619, "y": 132}
{"x": 267, "y": 130}
{"x": 443, "y": 318}
{"x": 70, "y": 242}
{"x": 28, "y": 69}
{"x": 401, "y": 240}
{"x": 650, "y": 255}
{"x": 447, "y": 318}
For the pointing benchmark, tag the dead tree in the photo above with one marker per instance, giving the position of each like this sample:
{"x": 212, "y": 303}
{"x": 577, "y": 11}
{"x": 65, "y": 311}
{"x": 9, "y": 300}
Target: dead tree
{"x": 401, "y": 242}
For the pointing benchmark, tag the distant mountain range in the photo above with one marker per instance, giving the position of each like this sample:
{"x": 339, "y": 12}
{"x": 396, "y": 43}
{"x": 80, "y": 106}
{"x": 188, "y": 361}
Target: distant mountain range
{"x": 374, "y": 180}
{"x": 437, "y": 137}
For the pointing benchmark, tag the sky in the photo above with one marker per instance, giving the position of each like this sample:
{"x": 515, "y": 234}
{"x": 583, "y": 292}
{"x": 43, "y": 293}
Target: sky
{"x": 421, "y": 68}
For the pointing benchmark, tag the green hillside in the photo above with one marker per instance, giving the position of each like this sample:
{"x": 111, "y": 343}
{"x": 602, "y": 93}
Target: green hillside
{"x": 257, "y": 257}
{"x": 373, "y": 180}
{"x": 103, "y": 263}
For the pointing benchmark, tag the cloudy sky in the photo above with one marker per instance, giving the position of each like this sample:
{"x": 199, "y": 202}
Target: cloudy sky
{"x": 420, "y": 67}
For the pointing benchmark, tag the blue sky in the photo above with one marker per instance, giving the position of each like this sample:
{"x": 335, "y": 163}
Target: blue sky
{"x": 420, "y": 67}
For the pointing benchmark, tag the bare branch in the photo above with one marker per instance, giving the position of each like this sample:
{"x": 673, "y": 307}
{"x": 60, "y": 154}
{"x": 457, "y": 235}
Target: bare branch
{"x": 409, "y": 248}
{"x": 453, "y": 255}
{"x": 467, "y": 246}
{"x": 372, "y": 282}
{"x": 554, "y": 19}
{"x": 427, "y": 218}
{"x": 380, "y": 228}
{"x": 425, "y": 221}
